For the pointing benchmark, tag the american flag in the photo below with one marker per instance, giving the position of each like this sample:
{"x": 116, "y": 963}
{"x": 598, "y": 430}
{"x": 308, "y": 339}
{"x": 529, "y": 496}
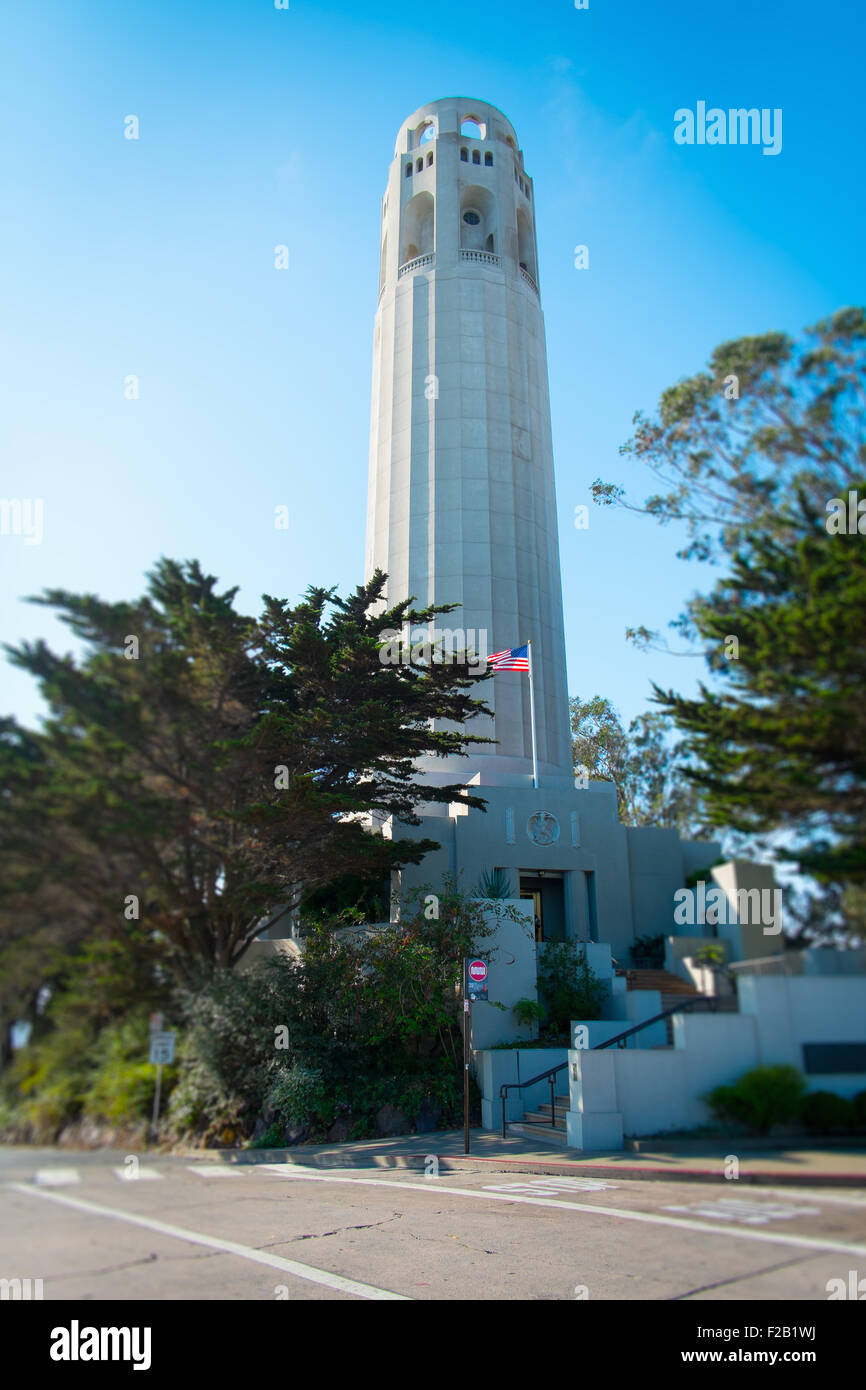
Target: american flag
{"x": 513, "y": 659}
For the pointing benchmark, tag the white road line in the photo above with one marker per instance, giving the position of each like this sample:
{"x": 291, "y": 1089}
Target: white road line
{"x": 56, "y": 1177}
{"x": 212, "y": 1170}
{"x": 230, "y": 1247}
{"x": 435, "y": 1187}
{"x": 143, "y": 1174}
{"x": 814, "y": 1195}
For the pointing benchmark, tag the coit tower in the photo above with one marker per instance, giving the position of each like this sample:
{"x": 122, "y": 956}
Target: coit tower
{"x": 461, "y": 505}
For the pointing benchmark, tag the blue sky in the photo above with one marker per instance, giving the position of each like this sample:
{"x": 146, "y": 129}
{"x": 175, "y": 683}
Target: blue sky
{"x": 261, "y": 127}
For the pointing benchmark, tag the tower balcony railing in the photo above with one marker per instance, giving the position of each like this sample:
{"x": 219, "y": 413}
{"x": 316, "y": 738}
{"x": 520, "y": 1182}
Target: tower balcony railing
{"x": 528, "y": 278}
{"x": 484, "y": 257}
{"x": 427, "y": 259}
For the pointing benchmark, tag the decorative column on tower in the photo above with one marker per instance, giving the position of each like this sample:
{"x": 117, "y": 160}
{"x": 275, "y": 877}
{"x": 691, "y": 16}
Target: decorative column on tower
{"x": 461, "y": 504}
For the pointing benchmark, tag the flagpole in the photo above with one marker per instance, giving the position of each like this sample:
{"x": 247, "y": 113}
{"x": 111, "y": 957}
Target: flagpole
{"x": 532, "y": 717}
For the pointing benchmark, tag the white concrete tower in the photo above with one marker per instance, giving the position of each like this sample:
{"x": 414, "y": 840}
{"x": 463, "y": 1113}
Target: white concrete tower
{"x": 461, "y": 504}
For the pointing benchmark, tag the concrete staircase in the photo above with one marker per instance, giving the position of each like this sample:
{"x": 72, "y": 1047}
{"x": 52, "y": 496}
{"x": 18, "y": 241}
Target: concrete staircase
{"x": 669, "y": 985}
{"x": 536, "y": 1124}
{"x": 673, "y": 990}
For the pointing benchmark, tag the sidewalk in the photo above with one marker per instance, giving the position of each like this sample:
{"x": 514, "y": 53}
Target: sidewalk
{"x": 838, "y": 1166}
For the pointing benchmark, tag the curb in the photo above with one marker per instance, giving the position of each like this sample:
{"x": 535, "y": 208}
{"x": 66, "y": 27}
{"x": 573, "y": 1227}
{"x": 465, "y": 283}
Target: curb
{"x": 551, "y": 1167}
{"x": 745, "y": 1144}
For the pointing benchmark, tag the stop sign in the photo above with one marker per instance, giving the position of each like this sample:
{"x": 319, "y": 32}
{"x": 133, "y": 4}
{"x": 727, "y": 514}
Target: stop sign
{"x": 477, "y": 970}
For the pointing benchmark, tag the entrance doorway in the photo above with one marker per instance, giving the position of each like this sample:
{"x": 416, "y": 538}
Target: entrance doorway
{"x": 545, "y": 892}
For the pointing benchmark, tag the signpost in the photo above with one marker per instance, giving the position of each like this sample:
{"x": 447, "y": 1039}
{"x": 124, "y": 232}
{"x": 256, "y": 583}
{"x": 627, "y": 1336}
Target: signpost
{"x": 161, "y": 1054}
{"x": 477, "y": 980}
{"x": 474, "y": 989}
{"x": 162, "y": 1049}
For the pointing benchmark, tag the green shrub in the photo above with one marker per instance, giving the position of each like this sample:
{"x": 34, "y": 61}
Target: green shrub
{"x": 760, "y": 1098}
{"x": 568, "y": 987}
{"x": 648, "y": 952}
{"x": 122, "y": 1092}
{"x": 123, "y": 1080}
{"x": 273, "y": 1138}
{"x": 370, "y": 1018}
{"x": 528, "y": 1011}
{"x": 712, "y": 954}
{"x": 56, "y": 1104}
{"x": 87, "y": 1055}
{"x": 46, "y": 1081}
{"x": 200, "y": 1104}
{"x": 823, "y": 1112}
{"x": 702, "y": 875}
{"x": 859, "y": 1106}
{"x": 726, "y": 1104}
{"x": 298, "y": 1094}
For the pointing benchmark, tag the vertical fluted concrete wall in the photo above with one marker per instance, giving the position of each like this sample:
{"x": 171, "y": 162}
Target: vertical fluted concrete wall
{"x": 461, "y": 498}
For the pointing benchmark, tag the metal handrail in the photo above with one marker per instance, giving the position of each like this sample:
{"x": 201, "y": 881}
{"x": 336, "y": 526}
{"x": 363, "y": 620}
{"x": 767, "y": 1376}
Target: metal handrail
{"x": 618, "y": 1038}
{"x": 518, "y": 1086}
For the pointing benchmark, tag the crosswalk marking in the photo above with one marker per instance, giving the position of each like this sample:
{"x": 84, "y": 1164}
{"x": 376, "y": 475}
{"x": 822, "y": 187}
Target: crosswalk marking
{"x": 849, "y": 1199}
{"x": 56, "y": 1177}
{"x": 212, "y": 1170}
{"x": 749, "y": 1213}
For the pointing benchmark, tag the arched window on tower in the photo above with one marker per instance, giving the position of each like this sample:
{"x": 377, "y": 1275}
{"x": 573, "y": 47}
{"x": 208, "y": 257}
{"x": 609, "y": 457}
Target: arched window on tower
{"x": 429, "y": 159}
{"x": 417, "y": 227}
{"x": 476, "y": 156}
{"x": 525, "y": 243}
{"x": 464, "y": 155}
{"x": 488, "y": 159}
{"x": 470, "y": 125}
{"x": 419, "y": 164}
{"x": 409, "y": 170}
{"x": 478, "y": 220}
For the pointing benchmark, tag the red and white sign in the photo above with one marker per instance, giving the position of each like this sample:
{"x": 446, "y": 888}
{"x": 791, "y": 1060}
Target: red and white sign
{"x": 477, "y": 971}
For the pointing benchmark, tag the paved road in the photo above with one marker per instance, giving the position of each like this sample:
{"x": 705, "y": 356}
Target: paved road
{"x": 102, "y": 1226}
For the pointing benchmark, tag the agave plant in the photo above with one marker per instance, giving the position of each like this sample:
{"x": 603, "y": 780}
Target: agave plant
{"x": 493, "y": 885}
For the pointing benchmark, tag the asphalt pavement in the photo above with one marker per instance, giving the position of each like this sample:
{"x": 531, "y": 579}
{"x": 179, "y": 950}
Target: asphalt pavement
{"x": 108, "y": 1225}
